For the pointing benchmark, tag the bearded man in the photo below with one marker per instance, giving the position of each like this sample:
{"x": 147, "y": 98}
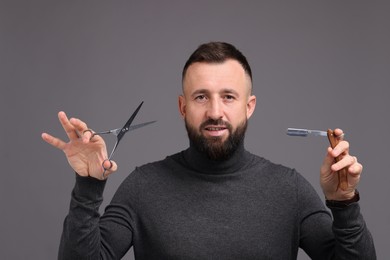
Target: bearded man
{"x": 214, "y": 200}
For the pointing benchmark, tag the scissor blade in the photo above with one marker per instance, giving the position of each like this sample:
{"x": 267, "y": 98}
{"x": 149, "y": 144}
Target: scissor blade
{"x": 130, "y": 128}
{"x": 125, "y": 128}
{"x": 133, "y": 127}
{"x": 305, "y": 132}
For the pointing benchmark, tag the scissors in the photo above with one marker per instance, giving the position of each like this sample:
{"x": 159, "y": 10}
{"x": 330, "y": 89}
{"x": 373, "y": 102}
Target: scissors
{"x": 120, "y": 132}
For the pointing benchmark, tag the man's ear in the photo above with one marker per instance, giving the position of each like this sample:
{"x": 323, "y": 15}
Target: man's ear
{"x": 182, "y": 105}
{"x": 250, "y": 106}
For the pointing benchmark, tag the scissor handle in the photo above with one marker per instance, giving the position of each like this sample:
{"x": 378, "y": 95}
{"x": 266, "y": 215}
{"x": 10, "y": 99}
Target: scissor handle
{"x": 342, "y": 174}
{"x": 106, "y": 169}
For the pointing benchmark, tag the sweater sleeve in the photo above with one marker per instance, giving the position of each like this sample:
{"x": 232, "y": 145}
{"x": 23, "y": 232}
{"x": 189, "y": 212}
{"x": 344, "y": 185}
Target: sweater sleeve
{"x": 352, "y": 238}
{"x": 345, "y": 236}
{"x": 85, "y": 234}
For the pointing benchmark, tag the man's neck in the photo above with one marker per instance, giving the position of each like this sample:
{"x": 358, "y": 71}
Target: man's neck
{"x": 200, "y": 162}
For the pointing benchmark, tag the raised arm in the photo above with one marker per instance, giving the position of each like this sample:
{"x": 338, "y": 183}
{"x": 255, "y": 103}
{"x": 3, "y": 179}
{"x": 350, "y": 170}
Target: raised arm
{"x": 352, "y": 237}
{"x": 82, "y": 236}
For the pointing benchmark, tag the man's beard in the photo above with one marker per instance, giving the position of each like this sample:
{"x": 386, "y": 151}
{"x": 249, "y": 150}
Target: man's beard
{"x": 213, "y": 147}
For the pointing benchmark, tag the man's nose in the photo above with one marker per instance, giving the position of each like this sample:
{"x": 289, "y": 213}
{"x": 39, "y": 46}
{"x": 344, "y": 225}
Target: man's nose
{"x": 215, "y": 110}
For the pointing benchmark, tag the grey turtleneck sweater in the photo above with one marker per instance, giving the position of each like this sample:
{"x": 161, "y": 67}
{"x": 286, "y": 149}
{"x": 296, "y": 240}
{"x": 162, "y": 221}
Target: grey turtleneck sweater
{"x": 188, "y": 207}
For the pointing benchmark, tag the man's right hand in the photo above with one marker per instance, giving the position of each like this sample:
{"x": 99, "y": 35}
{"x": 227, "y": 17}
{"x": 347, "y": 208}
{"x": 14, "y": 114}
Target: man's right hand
{"x": 85, "y": 152}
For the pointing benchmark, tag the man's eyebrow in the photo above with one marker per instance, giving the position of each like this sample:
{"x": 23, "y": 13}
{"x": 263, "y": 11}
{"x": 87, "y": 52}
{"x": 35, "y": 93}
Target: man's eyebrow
{"x": 200, "y": 91}
{"x": 229, "y": 91}
{"x": 222, "y": 91}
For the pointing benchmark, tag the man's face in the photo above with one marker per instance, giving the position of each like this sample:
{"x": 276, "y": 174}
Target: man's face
{"x": 216, "y": 104}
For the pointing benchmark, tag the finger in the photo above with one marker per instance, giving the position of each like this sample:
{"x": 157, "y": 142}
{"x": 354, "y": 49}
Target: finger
{"x": 339, "y": 133}
{"x": 87, "y": 135}
{"x": 109, "y": 167}
{"x": 68, "y": 127}
{"x": 78, "y": 124}
{"x": 58, "y": 143}
{"x": 346, "y": 161}
{"x": 82, "y": 128}
{"x": 341, "y": 148}
{"x": 356, "y": 168}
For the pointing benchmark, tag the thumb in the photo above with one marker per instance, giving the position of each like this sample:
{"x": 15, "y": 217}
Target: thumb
{"x": 109, "y": 167}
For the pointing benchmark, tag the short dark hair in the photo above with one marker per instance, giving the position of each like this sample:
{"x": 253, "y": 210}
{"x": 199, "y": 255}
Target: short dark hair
{"x": 217, "y": 52}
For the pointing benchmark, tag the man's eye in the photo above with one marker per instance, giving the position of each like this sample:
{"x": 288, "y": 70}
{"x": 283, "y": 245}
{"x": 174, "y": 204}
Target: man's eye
{"x": 229, "y": 97}
{"x": 200, "y": 98}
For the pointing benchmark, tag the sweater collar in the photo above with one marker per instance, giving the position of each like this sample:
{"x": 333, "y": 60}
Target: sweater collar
{"x": 201, "y": 163}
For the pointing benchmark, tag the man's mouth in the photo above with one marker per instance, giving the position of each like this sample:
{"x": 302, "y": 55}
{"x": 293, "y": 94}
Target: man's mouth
{"x": 215, "y": 130}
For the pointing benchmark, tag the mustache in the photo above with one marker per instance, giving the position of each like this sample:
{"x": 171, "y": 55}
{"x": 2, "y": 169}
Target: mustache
{"x": 219, "y": 122}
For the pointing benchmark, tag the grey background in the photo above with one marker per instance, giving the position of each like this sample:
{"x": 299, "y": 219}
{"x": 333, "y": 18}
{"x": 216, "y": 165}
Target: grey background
{"x": 316, "y": 64}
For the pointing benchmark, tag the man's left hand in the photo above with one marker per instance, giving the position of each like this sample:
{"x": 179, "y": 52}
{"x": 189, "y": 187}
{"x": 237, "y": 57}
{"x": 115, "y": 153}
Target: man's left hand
{"x": 329, "y": 177}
